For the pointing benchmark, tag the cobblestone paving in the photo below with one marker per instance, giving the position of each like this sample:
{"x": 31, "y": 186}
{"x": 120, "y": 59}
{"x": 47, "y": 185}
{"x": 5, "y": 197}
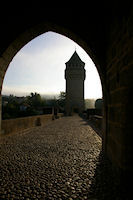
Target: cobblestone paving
{"x": 62, "y": 160}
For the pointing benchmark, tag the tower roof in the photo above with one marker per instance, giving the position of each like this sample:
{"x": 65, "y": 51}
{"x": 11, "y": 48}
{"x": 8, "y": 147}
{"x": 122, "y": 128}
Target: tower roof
{"x": 75, "y": 61}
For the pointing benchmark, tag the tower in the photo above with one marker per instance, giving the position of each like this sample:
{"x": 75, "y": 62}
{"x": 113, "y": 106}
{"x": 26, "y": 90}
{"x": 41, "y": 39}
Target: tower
{"x": 75, "y": 76}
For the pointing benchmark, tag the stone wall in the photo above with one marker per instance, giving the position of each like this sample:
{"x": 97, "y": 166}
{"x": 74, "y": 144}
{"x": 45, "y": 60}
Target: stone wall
{"x": 120, "y": 93}
{"x": 20, "y": 124}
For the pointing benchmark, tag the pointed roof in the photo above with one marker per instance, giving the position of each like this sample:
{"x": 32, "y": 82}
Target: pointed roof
{"x": 75, "y": 61}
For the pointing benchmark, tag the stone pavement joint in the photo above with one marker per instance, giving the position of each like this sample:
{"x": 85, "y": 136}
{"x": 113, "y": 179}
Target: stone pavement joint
{"x": 62, "y": 160}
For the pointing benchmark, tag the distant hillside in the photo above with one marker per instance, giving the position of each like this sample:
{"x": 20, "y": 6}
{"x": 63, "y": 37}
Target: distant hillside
{"x": 44, "y": 96}
{"x": 50, "y": 96}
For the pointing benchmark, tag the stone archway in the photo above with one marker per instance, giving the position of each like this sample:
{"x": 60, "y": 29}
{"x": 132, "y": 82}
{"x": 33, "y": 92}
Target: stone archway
{"x": 35, "y": 31}
{"x": 110, "y": 38}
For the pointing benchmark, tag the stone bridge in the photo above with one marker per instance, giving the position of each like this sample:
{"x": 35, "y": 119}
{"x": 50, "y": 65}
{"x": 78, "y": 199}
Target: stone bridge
{"x": 61, "y": 160}
{"x": 104, "y": 29}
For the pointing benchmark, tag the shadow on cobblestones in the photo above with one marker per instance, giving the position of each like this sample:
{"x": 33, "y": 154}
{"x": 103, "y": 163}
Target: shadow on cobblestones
{"x": 105, "y": 184}
{"x": 90, "y": 123}
{"x": 62, "y": 161}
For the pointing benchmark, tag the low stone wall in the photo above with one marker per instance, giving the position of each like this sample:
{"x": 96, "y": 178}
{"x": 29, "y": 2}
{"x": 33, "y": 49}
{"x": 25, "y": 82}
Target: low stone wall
{"x": 96, "y": 122}
{"x": 20, "y": 124}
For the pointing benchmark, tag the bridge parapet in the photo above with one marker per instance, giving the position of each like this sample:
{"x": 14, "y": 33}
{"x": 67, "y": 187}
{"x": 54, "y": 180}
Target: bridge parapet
{"x": 19, "y": 124}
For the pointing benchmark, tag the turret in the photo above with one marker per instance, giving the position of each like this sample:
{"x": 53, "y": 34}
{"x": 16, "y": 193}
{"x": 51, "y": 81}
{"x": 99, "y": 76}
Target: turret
{"x": 75, "y": 76}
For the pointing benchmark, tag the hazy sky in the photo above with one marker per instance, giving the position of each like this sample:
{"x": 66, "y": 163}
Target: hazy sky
{"x": 39, "y": 67}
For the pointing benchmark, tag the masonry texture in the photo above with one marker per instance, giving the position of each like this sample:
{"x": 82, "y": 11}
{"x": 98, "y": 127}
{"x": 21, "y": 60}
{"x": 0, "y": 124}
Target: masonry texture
{"x": 120, "y": 92}
{"x": 61, "y": 161}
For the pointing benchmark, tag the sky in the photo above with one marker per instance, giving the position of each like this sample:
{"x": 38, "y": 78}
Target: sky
{"x": 39, "y": 67}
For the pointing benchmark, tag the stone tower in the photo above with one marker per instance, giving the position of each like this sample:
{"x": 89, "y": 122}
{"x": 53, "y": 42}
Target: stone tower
{"x": 75, "y": 76}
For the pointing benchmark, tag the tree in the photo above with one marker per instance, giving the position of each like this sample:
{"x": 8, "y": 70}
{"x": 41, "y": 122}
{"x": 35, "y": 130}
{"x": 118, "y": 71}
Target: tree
{"x": 35, "y": 100}
{"x": 62, "y": 99}
{"x": 11, "y": 106}
{"x": 10, "y": 110}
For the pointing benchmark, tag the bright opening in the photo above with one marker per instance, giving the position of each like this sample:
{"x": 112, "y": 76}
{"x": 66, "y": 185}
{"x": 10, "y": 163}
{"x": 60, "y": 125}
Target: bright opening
{"x": 39, "y": 67}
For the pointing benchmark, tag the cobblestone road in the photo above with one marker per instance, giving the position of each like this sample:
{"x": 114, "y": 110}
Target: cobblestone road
{"x": 62, "y": 160}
